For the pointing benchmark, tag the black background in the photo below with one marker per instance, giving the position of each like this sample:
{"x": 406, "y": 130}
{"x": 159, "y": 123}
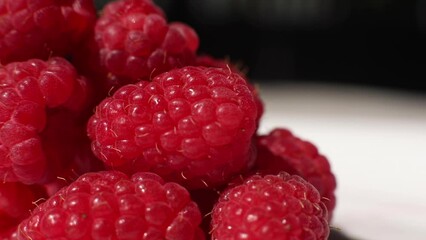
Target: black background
{"x": 365, "y": 42}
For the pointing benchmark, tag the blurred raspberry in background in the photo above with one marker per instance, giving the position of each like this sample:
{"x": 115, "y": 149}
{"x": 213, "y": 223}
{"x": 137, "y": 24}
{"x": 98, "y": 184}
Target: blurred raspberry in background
{"x": 375, "y": 43}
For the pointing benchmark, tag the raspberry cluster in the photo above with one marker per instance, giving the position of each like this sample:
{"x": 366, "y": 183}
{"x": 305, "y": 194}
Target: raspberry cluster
{"x": 113, "y": 126}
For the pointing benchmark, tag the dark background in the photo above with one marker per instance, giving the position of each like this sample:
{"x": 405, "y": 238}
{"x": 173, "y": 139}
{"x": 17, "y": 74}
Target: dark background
{"x": 364, "y": 42}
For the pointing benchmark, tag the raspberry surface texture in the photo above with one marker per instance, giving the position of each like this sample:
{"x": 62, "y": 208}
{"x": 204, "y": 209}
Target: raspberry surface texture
{"x": 192, "y": 125}
{"x": 136, "y": 42}
{"x": 209, "y": 61}
{"x": 111, "y": 205}
{"x": 42, "y": 123}
{"x": 16, "y": 202}
{"x": 40, "y": 29}
{"x": 270, "y": 207}
{"x": 280, "y": 150}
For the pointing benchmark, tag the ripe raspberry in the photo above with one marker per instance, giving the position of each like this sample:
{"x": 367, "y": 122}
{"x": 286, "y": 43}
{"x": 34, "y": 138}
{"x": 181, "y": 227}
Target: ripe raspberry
{"x": 270, "y": 207}
{"x": 110, "y": 205}
{"x": 280, "y": 150}
{"x": 42, "y": 118}
{"x": 16, "y": 202}
{"x": 192, "y": 125}
{"x": 39, "y": 29}
{"x": 135, "y": 42}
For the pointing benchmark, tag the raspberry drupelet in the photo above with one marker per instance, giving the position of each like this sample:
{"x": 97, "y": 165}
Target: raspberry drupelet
{"x": 270, "y": 207}
{"x": 43, "y": 111}
{"x": 280, "y": 150}
{"x": 40, "y": 29}
{"x": 192, "y": 125}
{"x": 111, "y": 205}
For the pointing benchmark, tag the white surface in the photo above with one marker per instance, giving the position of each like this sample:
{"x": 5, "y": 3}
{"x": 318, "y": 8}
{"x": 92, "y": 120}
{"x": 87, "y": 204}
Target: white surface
{"x": 376, "y": 143}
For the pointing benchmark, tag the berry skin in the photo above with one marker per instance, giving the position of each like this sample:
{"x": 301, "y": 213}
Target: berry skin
{"x": 192, "y": 125}
{"x": 43, "y": 105}
{"x": 40, "y": 29}
{"x": 111, "y": 205}
{"x": 16, "y": 202}
{"x": 135, "y": 42}
{"x": 209, "y": 61}
{"x": 280, "y": 150}
{"x": 270, "y": 207}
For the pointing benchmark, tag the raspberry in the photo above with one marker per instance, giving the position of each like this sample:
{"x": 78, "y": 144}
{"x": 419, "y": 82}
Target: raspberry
{"x": 192, "y": 125}
{"x": 136, "y": 42}
{"x": 42, "y": 118}
{"x": 39, "y": 29}
{"x": 110, "y": 205}
{"x": 270, "y": 207}
{"x": 16, "y": 202}
{"x": 280, "y": 150}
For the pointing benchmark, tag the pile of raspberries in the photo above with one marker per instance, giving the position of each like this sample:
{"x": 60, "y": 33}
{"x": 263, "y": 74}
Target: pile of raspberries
{"x": 113, "y": 126}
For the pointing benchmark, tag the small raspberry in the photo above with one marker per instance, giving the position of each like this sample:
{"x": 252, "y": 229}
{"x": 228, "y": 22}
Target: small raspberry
{"x": 16, "y": 202}
{"x": 42, "y": 118}
{"x": 192, "y": 125}
{"x": 270, "y": 207}
{"x": 136, "y": 42}
{"x": 110, "y": 205}
{"x": 39, "y": 29}
{"x": 280, "y": 150}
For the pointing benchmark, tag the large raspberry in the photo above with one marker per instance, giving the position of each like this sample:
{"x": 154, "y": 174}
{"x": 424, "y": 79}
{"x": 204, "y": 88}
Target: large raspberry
{"x": 110, "y": 205}
{"x": 192, "y": 125}
{"x": 39, "y": 29}
{"x": 136, "y": 42}
{"x": 268, "y": 208}
{"x": 280, "y": 150}
{"x": 43, "y": 105}
{"x": 16, "y": 202}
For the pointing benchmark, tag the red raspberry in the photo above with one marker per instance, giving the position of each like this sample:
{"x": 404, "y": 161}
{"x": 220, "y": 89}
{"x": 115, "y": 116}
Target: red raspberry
{"x": 282, "y": 151}
{"x": 135, "y": 42}
{"x": 16, "y": 202}
{"x": 192, "y": 125}
{"x": 110, "y": 205}
{"x": 39, "y": 29}
{"x": 270, "y": 207}
{"x": 42, "y": 118}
